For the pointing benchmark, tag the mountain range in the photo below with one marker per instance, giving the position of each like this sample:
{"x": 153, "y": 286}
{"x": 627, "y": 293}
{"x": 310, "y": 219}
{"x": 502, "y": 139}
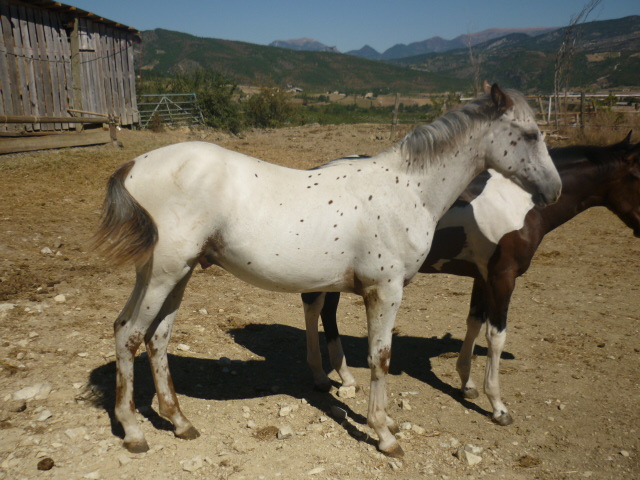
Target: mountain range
{"x": 308, "y": 44}
{"x": 400, "y": 50}
{"x": 607, "y": 56}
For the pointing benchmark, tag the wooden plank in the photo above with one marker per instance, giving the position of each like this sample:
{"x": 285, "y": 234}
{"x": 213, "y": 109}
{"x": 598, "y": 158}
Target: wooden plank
{"x": 85, "y": 61}
{"x": 120, "y": 66}
{"x": 57, "y": 73}
{"x": 62, "y": 140}
{"x": 89, "y": 59}
{"x": 76, "y": 73}
{"x": 5, "y": 85}
{"x": 131, "y": 75}
{"x": 64, "y": 52}
{"x": 105, "y": 75}
{"x": 33, "y": 119}
{"x": 37, "y": 65}
{"x": 125, "y": 44}
{"x": 46, "y": 101}
{"x": 14, "y": 103}
{"x": 113, "y": 71}
{"x": 21, "y": 87}
{"x": 29, "y": 63}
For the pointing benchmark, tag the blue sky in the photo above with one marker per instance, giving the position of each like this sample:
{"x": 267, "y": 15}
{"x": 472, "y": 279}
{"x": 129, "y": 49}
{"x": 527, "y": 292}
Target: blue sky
{"x": 346, "y": 24}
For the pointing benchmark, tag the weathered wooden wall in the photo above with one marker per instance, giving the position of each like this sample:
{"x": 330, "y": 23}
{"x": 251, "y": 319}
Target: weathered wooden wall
{"x": 39, "y": 62}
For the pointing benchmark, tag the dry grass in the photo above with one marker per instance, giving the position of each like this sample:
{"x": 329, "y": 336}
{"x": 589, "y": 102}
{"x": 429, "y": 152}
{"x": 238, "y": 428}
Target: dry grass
{"x": 603, "y": 128}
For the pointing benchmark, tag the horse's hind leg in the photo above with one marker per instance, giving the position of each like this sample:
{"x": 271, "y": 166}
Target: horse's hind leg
{"x": 477, "y": 316}
{"x": 313, "y": 304}
{"x": 128, "y": 337}
{"x": 334, "y": 345}
{"x": 130, "y": 328}
{"x": 156, "y": 339}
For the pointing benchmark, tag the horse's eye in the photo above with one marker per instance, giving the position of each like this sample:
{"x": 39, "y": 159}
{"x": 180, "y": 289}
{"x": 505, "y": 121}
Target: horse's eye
{"x": 533, "y": 136}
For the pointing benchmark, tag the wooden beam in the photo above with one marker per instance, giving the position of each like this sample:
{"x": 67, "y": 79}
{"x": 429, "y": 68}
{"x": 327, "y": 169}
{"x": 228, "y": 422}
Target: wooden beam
{"x": 61, "y": 140}
{"x": 76, "y": 74}
{"x": 52, "y": 119}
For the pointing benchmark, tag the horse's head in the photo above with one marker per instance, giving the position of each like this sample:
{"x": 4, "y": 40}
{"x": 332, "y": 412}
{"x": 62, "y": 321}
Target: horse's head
{"x": 623, "y": 198}
{"x": 515, "y": 147}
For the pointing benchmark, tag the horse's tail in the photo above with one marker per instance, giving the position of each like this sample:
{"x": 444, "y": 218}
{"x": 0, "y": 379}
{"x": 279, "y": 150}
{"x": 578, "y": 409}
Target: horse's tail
{"x": 127, "y": 232}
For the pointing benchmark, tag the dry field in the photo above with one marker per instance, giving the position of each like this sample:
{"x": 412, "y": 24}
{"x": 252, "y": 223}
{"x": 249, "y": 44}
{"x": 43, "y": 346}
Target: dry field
{"x": 569, "y": 374}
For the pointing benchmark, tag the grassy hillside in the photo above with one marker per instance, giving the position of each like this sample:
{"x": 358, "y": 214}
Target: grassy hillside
{"x": 168, "y": 52}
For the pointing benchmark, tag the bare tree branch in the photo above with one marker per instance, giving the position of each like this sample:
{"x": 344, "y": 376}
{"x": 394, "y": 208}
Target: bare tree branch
{"x": 566, "y": 52}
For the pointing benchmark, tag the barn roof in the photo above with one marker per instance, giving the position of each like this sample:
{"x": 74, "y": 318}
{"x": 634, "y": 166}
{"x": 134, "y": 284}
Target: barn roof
{"x": 78, "y": 12}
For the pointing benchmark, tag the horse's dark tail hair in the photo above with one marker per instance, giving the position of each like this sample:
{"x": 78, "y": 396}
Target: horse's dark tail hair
{"x": 127, "y": 232}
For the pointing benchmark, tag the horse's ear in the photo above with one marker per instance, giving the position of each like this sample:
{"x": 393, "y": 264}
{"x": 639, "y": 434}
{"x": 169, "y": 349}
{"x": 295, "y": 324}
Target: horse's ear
{"x": 633, "y": 156}
{"x": 501, "y": 100}
{"x": 486, "y": 87}
{"x": 627, "y": 140}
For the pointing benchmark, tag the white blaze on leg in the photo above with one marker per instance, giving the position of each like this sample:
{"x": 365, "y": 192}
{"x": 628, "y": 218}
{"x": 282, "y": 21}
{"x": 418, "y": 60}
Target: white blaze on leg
{"x": 495, "y": 344}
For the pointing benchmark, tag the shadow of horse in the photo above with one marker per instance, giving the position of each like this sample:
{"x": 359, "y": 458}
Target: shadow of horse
{"x": 281, "y": 371}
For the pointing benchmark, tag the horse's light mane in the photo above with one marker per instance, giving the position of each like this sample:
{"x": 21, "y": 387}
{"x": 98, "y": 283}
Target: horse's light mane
{"x": 428, "y": 144}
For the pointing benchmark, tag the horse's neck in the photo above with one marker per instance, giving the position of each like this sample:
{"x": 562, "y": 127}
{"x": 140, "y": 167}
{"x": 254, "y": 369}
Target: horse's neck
{"x": 582, "y": 188}
{"x": 444, "y": 181}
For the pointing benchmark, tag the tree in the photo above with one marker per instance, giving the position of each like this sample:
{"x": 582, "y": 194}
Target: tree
{"x": 566, "y": 52}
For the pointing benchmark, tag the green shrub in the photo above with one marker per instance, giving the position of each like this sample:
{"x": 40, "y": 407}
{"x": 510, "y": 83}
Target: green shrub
{"x": 270, "y": 108}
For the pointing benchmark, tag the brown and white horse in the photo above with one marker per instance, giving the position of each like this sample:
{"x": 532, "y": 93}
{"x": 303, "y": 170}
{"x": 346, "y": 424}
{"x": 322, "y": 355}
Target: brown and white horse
{"x": 491, "y": 234}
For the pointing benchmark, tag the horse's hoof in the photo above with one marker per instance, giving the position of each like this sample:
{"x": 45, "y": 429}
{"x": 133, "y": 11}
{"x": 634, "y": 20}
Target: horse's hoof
{"x": 470, "y": 393}
{"x": 140, "y": 446}
{"x": 503, "y": 420}
{"x": 189, "y": 434}
{"x": 395, "y": 451}
{"x": 350, "y": 382}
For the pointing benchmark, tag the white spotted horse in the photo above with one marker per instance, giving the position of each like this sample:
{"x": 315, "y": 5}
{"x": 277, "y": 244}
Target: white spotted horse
{"x": 352, "y": 226}
{"x": 491, "y": 233}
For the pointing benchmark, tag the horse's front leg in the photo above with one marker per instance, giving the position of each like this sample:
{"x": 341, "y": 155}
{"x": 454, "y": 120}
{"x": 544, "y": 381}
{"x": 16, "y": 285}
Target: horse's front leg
{"x": 382, "y": 303}
{"x": 157, "y": 338}
{"x": 477, "y": 316}
{"x": 500, "y": 288}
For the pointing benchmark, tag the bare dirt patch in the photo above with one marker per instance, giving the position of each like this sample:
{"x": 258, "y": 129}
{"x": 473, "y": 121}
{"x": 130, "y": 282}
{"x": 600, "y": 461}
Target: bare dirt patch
{"x": 569, "y": 374}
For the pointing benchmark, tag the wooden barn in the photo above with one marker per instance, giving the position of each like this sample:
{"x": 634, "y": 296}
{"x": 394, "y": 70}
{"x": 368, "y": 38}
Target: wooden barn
{"x": 62, "y": 68}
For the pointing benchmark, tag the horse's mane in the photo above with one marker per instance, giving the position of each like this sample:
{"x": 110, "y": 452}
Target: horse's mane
{"x": 428, "y": 144}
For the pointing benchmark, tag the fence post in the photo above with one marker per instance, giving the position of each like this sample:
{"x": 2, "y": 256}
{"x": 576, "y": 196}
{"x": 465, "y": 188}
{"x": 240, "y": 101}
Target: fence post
{"x": 394, "y": 122}
{"x": 582, "y": 113}
{"x": 76, "y": 74}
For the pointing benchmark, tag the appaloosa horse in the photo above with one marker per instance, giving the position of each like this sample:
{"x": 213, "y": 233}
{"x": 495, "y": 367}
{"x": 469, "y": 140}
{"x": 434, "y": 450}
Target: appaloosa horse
{"x": 491, "y": 234}
{"x": 352, "y": 226}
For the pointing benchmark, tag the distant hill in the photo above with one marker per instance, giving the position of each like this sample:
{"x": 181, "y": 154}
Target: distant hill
{"x": 167, "y": 52}
{"x": 607, "y": 56}
{"x": 307, "y": 44}
{"x": 439, "y": 44}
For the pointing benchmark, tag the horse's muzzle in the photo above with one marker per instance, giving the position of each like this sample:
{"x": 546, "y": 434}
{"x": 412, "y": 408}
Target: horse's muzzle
{"x": 542, "y": 200}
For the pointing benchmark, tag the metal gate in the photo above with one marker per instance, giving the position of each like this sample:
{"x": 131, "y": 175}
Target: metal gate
{"x": 171, "y": 108}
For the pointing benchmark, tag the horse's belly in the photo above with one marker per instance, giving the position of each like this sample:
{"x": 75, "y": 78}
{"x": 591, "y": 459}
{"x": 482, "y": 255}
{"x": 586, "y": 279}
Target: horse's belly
{"x": 287, "y": 271}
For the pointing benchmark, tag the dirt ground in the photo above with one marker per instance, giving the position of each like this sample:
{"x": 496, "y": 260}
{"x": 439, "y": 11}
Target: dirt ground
{"x": 569, "y": 373}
